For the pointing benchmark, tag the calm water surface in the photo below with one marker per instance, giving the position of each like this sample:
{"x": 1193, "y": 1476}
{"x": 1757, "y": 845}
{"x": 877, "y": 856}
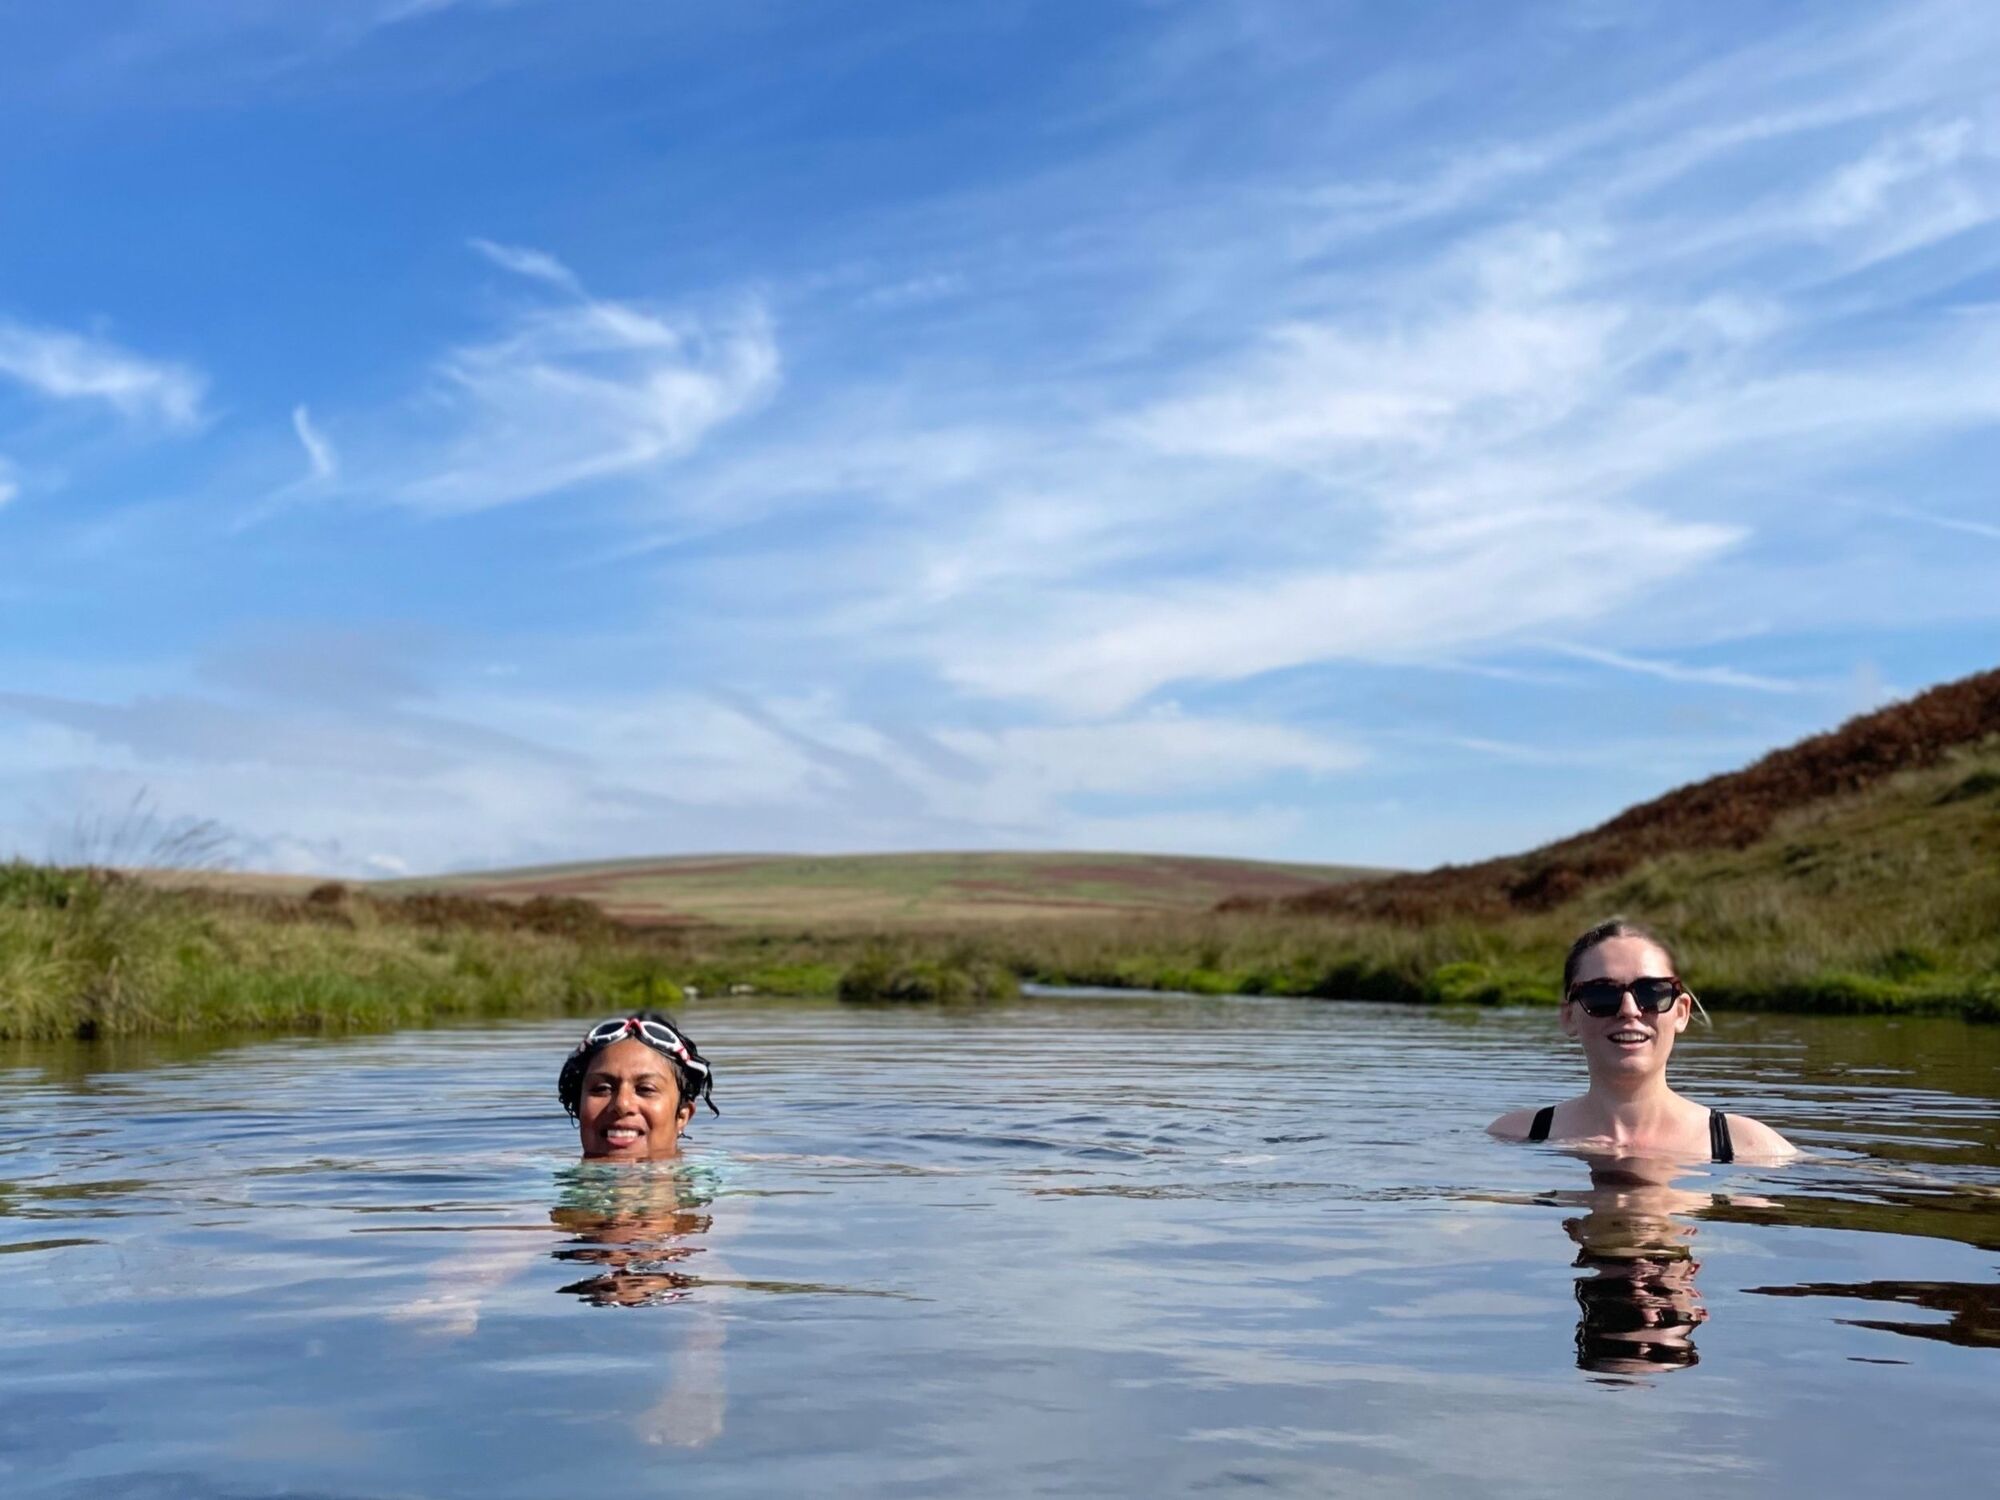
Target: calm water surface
{"x": 1072, "y": 1246}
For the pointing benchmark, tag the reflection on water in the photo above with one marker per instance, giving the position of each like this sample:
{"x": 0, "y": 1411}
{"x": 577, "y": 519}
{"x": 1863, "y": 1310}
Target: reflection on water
{"x": 1638, "y": 1305}
{"x": 1841, "y": 1195}
{"x": 1637, "y": 1294}
{"x": 1974, "y": 1307}
{"x": 1175, "y": 1246}
{"x": 1636, "y": 1298}
{"x": 1639, "y": 1315}
{"x": 639, "y": 1226}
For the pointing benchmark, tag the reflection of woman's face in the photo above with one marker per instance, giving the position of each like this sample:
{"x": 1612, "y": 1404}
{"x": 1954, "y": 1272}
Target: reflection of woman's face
{"x": 636, "y": 1239}
{"x": 1638, "y": 1307}
{"x": 1632, "y": 1043}
{"x": 1637, "y": 1316}
{"x": 630, "y": 1107}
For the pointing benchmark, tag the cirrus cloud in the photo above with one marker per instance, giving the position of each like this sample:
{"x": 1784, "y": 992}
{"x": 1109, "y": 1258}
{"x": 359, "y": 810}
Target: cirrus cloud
{"x": 65, "y": 366}
{"x": 575, "y": 390}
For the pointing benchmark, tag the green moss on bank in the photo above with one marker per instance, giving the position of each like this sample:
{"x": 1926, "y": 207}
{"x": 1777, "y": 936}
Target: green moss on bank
{"x": 955, "y": 979}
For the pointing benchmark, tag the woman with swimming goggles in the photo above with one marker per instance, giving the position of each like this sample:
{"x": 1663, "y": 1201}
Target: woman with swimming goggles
{"x": 1624, "y": 1001}
{"x": 631, "y": 1086}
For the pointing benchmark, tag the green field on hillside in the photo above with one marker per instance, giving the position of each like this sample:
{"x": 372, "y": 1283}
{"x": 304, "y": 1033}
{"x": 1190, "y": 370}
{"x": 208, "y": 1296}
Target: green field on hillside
{"x": 879, "y": 891}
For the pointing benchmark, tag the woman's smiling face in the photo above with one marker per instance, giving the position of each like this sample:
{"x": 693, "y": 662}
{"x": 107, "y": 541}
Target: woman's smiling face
{"x": 630, "y": 1108}
{"x": 1632, "y": 1042}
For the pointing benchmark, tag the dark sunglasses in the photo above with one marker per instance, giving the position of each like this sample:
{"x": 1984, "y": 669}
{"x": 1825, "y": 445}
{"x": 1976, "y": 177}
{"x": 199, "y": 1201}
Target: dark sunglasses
{"x": 1602, "y": 997}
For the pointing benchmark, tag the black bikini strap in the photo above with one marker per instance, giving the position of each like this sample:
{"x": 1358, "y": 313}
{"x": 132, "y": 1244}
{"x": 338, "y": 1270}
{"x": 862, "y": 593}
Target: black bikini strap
{"x": 1544, "y": 1118}
{"x": 1720, "y": 1146}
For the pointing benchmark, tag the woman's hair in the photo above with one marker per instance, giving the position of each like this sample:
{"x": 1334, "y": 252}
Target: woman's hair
{"x": 1604, "y": 932}
{"x": 694, "y": 1083}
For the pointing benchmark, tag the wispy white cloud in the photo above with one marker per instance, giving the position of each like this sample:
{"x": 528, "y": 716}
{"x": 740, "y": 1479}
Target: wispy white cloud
{"x": 9, "y": 487}
{"x": 1442, "y": 453}
{"x": 1873, "y": 69}
{"x": 1914, "y": 189}
{"x": 536, "y": 264}
{"x": 1666, "y": 760}
{"x": 322, "y": 462}
{"x": 1867, "y": 188}
{"x": 376, "y": 15}
{"x": 1672, "y": 671}
{"x": 1263, "y": 374}
{"x": 1435, "y": 591}
{"x": 1319, "y": 390}
{"x": 1251, "y": 832}
{"x": 913, "y": 291}
{"x": 1023, "y": 777}
{"x": 67, "y": 366}
{"x": 320, "y": 759}
{"x": 396, "y": 12}
{"x": 243, "y": 47}
{"x": 576, "y": 390}
{"x": 1988, "y": 529}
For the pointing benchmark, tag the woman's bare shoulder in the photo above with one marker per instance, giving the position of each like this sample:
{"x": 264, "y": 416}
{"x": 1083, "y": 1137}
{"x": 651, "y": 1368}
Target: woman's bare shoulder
{"x": 1751, "y": 1137}
{"x": 1513, "y": 1126}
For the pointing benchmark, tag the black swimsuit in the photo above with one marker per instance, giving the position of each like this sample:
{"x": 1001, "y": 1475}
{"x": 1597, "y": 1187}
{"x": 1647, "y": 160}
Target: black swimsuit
{"x": 1720, "y": 1147}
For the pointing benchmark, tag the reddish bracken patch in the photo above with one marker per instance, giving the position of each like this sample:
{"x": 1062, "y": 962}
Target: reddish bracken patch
{"x": 1268, "y": 882}
{"x": 586, "y": 886}
{"x": 1179, "y": 875}
{"x": 1133, "y": 877}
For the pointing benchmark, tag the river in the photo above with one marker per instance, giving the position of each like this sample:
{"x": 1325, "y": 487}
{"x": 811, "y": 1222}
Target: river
{"x": 1073, "y": 1245}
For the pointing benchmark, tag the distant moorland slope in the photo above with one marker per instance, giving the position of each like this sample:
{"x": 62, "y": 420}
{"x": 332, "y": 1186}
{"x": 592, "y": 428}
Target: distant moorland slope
{"x": 1730, "y": 812}
{"x": 896, "y": 890}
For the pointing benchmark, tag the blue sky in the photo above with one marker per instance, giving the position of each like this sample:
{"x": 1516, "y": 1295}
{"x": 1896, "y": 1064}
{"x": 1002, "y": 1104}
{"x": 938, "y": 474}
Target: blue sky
{"x": 439, "y": 434}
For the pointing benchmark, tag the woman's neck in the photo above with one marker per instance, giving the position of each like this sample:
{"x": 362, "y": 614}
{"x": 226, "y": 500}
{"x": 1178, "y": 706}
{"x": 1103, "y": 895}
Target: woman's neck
{"x": 1634, "y": 1108}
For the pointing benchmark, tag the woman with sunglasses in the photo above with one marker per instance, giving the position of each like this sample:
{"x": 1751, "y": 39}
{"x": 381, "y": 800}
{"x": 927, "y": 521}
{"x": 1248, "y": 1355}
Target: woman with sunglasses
{"x": 631, "y": 1086}
{"x": 1624, "y": 1001}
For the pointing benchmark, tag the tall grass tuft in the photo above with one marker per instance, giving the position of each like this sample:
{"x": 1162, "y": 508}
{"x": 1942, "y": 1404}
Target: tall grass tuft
{"x": 91, "y": 953}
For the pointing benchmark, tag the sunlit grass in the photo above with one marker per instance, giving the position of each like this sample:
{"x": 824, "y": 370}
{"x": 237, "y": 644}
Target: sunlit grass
{"x": 84, "y": 953}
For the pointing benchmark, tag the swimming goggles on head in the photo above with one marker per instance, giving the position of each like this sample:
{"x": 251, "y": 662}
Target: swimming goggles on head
{"x": 654, "y": 1032}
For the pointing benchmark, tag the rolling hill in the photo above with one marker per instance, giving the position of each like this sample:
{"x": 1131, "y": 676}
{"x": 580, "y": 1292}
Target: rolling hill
{"x": 894, "y": 890}
{"x": 1823, "y": 777}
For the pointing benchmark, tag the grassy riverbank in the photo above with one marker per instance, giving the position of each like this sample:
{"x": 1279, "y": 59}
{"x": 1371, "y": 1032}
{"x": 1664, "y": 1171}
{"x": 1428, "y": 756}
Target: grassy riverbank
{"x": 89, "y": 953}
{"x": 81, "y": 954}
